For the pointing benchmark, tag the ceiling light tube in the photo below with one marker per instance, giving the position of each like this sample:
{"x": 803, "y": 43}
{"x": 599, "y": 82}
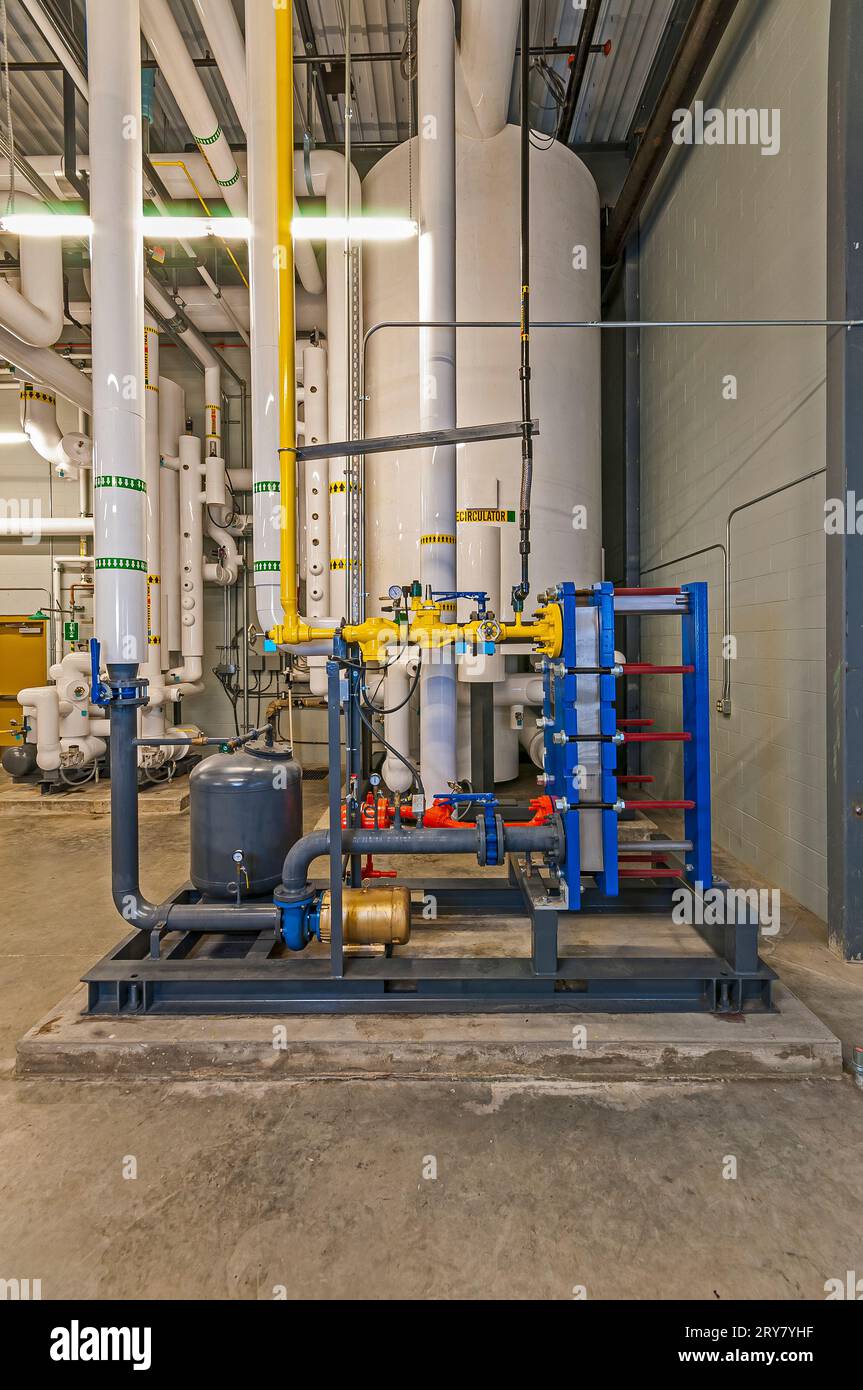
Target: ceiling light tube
{"x": 361, "y": 228}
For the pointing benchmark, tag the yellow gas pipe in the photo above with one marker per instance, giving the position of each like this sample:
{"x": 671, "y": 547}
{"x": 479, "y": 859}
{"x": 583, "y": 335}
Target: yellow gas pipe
{"x": 426, "y": 628}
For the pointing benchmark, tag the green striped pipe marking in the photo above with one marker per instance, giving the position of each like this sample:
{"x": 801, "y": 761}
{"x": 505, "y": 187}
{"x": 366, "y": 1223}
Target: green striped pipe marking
{"x": 110, "y": 562}
{"x": 116, "y": 480}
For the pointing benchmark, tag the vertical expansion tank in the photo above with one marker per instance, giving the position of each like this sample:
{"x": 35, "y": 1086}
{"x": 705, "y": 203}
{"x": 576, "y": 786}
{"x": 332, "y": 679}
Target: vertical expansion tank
{"x": 245, "y": 813}
{"x": 565, "y": 284}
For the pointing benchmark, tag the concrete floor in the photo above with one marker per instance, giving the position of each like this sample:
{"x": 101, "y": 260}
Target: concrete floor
{"x": 322, "y": 1187}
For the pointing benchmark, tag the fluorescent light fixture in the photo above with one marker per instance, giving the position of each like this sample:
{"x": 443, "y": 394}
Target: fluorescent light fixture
{"x": 362, "y": 228}
{"x": 189, "y": 228}
{"x": 46, "y": 224}
{"x": 153, "y": 228}
{"x": 13, "y": 437}
{"x": 227, "y": 228}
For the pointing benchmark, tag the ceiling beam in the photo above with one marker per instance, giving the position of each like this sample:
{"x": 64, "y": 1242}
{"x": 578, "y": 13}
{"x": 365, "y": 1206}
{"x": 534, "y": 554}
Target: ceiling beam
{"x": 578, "y": 68}
{"x": 307, "y": 33}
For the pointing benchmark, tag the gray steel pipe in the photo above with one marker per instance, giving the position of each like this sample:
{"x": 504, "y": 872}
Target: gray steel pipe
{"x": 125, "y": 868}
{"x": 130, "y": 902}
{"x": 518, "y": 839}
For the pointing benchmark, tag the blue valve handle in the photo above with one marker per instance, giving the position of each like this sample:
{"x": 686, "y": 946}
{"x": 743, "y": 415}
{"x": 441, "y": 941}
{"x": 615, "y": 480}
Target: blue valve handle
{"x": 445, "y": 596}
{"x": 99, "y": 693}
{"x": 488, "y": 801}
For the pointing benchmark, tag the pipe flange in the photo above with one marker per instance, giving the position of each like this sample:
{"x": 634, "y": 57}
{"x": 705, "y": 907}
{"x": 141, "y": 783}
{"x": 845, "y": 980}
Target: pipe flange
{"x": 128, "y": 693}
{"x": 558, "y": 854}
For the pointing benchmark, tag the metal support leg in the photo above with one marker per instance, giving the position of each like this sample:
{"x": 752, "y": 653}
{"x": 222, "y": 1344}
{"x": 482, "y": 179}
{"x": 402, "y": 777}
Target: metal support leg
{"x": 482, "y": 736}
{"x": 696, "y": 722}
{"x": 334, "y": 743}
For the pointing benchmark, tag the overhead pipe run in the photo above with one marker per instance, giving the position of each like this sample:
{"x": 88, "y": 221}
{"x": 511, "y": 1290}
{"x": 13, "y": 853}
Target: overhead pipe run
{"x": 35, "y": 312}
{"x": 164, "y": 38}
{"x": 489, "y": 29}
{"x": 49, "y": 368}
{"x": 219, "y": 22}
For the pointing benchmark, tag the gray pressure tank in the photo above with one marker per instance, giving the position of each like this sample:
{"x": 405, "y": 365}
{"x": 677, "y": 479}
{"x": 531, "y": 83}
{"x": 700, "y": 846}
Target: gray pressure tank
{"x": 248, "y": 803}
{"x": 19, "y": 760}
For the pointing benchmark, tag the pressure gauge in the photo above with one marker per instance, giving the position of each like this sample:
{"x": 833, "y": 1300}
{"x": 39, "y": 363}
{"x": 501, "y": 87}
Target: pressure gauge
{"x": 375, "y": 780}
{"x": 395, "y": 591}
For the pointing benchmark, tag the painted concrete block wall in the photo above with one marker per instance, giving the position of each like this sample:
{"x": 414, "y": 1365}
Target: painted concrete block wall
{"x": 27, "y": 488}
{"x": 732, "y": 233}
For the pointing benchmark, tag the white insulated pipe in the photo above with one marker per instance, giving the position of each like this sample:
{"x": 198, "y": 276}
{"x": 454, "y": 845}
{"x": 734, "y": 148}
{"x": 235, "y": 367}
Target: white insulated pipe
{"x": 397, "y": 719}
{"x": 226, "y": 570}
{"x": 489, "y": 30}
{"x": 161, "y": 302}
{"x": 43, "y": 365}
{"x": 479, "y": 550}
{"x": 35, "y": 312}
{"x": 316, "y": 484}
{"x": 328, "y": 181}
{"x": 220, "y": 24}
{"x": 175, "y": 64}
{"x": 436, "y": 50}
{"x": 191, "y": 549}
{"x": 153, "y": 663}
{"x": 117, "y": 249}
{"x": 44, "y": 703}
{"x": 33, "y": 527}
{"x": 263, "y": 301}
{"x": 67, "y": 452}
{"x": 172, "y": 407}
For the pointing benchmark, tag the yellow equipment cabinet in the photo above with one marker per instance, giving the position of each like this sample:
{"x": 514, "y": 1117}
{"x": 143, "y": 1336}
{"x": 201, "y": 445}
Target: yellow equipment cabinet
{"x": 23, "y": 662}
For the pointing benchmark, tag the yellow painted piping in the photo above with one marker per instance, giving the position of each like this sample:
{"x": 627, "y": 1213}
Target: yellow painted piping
{"x": 181, "y": 164}
{"x": 287, "y": 328}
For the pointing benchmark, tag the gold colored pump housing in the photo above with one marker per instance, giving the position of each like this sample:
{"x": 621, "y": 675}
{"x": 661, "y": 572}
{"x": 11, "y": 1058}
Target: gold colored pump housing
{"x": 371, "y": 916}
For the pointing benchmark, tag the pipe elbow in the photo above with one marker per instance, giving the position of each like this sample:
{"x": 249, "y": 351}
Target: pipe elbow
{"x": 295, "y": 871}
{"x": 137, "y": 910}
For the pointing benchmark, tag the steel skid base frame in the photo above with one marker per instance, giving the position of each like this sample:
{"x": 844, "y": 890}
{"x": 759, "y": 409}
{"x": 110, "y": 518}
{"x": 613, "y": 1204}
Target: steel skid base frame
{"x": 727, "y": 979}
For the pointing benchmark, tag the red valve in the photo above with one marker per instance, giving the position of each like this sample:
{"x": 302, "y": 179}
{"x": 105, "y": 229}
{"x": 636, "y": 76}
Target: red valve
{"x": 369, "y": 870}
{"x": 377, "y": 816}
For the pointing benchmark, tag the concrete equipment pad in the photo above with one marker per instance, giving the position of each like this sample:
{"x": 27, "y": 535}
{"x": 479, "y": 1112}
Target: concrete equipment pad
{"x": 791, "y": 1044}
{"x": 22, "y": 801}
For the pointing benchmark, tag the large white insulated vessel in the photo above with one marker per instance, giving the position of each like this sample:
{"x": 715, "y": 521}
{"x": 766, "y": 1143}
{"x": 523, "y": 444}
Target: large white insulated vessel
{"x": 565, "y": 285}
{"x": 566, "y": 389}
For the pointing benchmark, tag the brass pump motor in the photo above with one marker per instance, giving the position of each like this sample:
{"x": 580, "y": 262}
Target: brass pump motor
{"x": 370, "y": 916}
